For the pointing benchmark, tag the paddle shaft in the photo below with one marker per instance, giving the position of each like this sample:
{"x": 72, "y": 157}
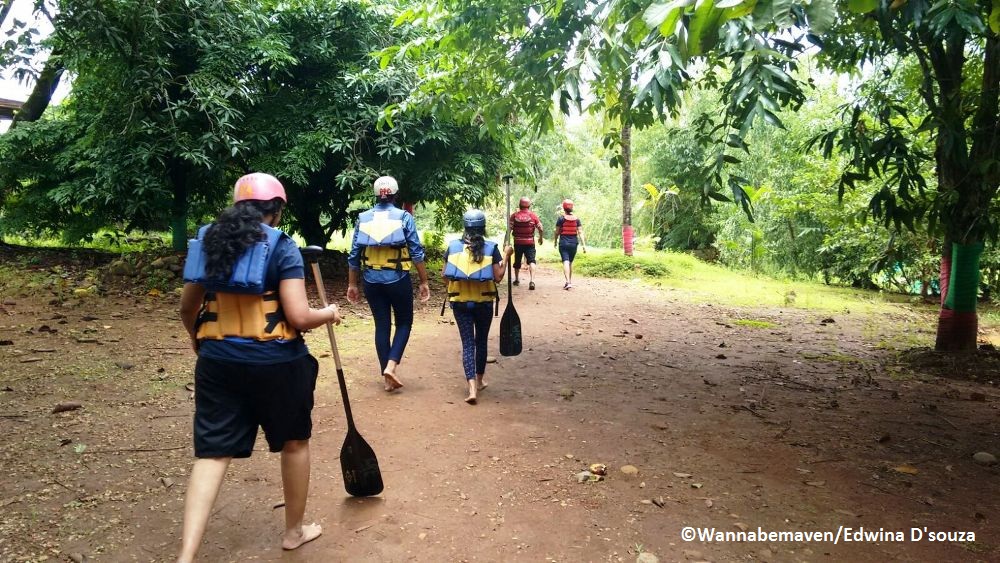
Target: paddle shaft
{"x": 506, "y": 241}
{"x": 333, "y": 346}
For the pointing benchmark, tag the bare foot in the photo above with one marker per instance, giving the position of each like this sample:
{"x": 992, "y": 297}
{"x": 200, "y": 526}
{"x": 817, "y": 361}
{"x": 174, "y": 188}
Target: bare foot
{"x": 305, "y": 534}
{"x": 391, "y": 383}
{"x": 471, "y": 399}
{"x": 480, "y": 384}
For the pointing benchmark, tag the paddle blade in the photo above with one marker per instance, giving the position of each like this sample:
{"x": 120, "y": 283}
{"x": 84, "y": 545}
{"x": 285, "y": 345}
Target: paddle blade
{"x": 510, "y": 332}
{"x": 359, "y": 466}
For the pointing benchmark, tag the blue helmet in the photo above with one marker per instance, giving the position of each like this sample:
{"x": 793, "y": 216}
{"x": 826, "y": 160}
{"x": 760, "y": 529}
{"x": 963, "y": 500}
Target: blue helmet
{"x": 474, "y": 218}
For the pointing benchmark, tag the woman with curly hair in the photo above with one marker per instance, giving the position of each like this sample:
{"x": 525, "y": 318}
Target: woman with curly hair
{"x": 244, "y": 305}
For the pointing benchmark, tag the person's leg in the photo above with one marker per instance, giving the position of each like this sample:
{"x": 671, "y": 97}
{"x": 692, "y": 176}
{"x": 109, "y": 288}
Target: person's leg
{"x": 400, "y": 296}
{"x": 295, "y": 483}
{"x": 518, "y": 255}
{"x": 466, "y": 323}
{"x": 483, "y": 319}
{"x": 284, "y": 403}
{"x": 380, "y": 307}
{"x": 564, "y": 256}
{"x": 203, "y": 488}
{"x": 529, "y": 256}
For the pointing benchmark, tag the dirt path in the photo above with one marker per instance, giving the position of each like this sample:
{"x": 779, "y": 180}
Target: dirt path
{"x": 783, "y": 423}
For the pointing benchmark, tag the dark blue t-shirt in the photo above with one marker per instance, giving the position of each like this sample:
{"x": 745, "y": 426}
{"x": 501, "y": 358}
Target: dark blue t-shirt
{"x": 285, "y": 263}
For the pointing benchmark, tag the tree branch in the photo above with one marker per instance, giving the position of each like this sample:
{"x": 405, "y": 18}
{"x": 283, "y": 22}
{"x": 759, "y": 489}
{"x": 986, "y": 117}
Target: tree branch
{"x": 5, "y": 6}
{"x": 986, "y": 122}
{"x": 927, "y": 84}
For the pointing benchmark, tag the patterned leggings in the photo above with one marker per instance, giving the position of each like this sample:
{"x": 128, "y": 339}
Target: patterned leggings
{"x": 473, "y": 320}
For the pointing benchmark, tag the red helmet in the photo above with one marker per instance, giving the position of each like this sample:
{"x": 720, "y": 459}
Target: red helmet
{"x": 258, "y": 186}
{"x": 568, "y": 205}
{"x": 524, "y": 203}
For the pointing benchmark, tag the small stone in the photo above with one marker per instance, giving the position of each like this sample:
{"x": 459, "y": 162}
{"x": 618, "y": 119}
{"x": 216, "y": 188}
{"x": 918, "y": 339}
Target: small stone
{"x": 491, "y": 359}
{"x": 984, "y": 458}
{"x": 77, "y": 557}
{"x": 125, "y": 365}
{"x": 423, "y": 535}
{"x": 566, "y": 393}
{"x": 630, "y": 470}
{"x": 647, "y": 557}
{"x": 742, "y": 527}
{"x": 693, "y": 554}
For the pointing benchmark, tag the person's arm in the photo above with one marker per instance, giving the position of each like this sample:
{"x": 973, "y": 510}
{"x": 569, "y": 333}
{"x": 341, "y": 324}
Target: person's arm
{"x": 191, "y": 300}
{"x": 353, "y": 268}
{"x": 424, "y": 290}
{"x": 416, "y": 255}
{"x": 583, "y": 242}
{"x": 500, "y": 263}
{"x": 295, "y": 306}
{"x": 541, "y": 233}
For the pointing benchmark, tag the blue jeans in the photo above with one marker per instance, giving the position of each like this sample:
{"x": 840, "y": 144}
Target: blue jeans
{"x": 386, "y": 298}
{"x": 473, "y": 320}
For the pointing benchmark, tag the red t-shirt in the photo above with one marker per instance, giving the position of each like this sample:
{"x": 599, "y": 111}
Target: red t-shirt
{"x": 523, "y": 224}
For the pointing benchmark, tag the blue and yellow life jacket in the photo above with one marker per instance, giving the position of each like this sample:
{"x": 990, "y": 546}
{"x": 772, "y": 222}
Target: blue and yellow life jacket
{"x": 470, "y": 281}
{"x": 381, "y": 234}
{"x": 239, "y": 307}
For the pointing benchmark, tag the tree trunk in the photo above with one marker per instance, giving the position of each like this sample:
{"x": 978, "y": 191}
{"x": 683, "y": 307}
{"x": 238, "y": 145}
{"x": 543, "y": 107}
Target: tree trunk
{"x": 310, "y": 223}
{"x": 179, "y": 175}
{"x": 627, "y": 232}
{"x": 958, "y": 323}
{"x": 41, "y": 95}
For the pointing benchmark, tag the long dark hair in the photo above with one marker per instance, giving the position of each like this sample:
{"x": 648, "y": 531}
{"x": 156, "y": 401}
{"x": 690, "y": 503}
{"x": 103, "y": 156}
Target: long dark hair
{"x": 236, "y": 229}
{"x": 474, "y": 239}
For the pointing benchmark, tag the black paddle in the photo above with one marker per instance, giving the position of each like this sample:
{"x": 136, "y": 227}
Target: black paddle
{"x": 510, "y": 323}
{"x": 358, "y": 463}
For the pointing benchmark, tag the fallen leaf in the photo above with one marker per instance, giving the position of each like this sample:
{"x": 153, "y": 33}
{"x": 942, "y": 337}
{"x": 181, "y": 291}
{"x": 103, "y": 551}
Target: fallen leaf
{"x": 696, "y": 485}
{"x": 907, "y": 469}
{"x": 682, "y": 475}
{"x": 815, "y": 483}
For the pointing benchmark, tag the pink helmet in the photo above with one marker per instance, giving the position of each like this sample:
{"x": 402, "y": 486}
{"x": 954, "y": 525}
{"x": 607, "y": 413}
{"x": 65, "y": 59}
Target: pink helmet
{"x": 524, "y": 203}
{"x": 258, "y": 186}
{"x": 568, "y": 204}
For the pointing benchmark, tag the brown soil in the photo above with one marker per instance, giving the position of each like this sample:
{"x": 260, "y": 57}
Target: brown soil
{"x": 803, "y": 426}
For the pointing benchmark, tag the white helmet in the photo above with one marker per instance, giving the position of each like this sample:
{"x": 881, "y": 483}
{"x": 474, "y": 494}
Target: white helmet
{"x": 386, "y": 186}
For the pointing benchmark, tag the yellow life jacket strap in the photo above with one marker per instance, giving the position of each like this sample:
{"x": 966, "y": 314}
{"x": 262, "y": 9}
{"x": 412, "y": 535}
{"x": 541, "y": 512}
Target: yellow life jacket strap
{"x": 245, "y": 316}
{"x": 386, "y": 258}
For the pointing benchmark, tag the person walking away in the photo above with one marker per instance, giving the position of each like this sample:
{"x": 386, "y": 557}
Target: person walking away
{"x": 523, "y": 224}
{"x": 244, "y": 306}
{"x": 472, "y": 268}
{"x": 569, "y": 234}
{"x": 384, "y": 246}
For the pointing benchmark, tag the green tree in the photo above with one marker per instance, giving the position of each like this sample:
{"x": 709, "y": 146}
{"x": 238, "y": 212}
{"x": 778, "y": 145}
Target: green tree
{"x": 751, "y": 50}
{"x": 330, "y": 122}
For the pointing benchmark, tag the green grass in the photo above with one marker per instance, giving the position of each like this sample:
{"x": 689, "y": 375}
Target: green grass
{"x": 703, "y": 282}
{"x": 753, "y": 323}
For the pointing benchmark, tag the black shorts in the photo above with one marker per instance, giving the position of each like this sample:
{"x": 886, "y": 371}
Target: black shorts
{"x": 526, "y": 250}
{"x": 567, "y": 252}
{"x": 231, "y": 400}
